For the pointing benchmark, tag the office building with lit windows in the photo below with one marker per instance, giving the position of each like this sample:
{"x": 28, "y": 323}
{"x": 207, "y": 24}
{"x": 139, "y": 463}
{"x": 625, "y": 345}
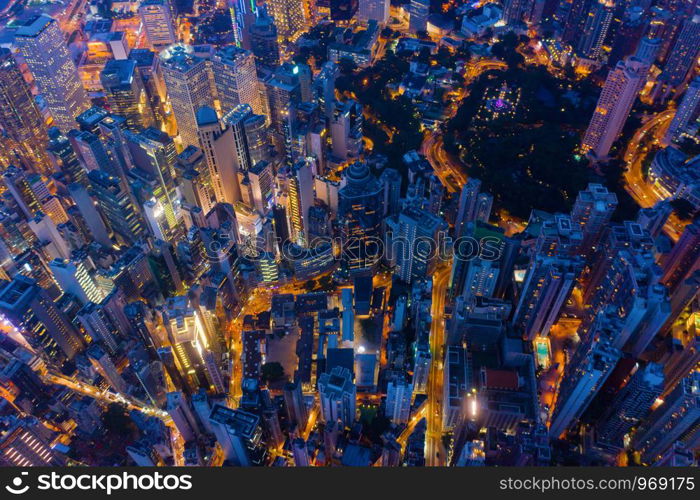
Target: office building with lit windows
{"x": 41, "y": 42}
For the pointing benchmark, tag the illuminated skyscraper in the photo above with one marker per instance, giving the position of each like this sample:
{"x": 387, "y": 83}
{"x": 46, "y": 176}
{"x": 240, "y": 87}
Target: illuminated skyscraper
{"x": 283, "y": 90}
{"x": 187, "y": 79}
{"x": 125, "y": 93}
{"x": 589, "y": 368}
{"x": 547, "y": 286}
{"x": 631, "y": 288}
{"x": 416, "y": 242}
{"x": 263, "y": 40}
{"x": 39, "y": 321}
{"x": 614, "y": 105}
{"x": 336, "y": 392}
{"x": 324, "y": 88}
{"x": 631, "y": 404}
{"x": 43, "y": 46}
{"x": 595, "y": 29}
{"x": 682, "y": 58}
{"x": 288, "y": 16}
{"x": 683, "y": 259}
{"x": 294, "y": 403}
{"x": 467, "y": 206}
{"x": 418, "y": 15}
{"x": 687, "y": 114}
{"x": 154, "y": 156}
{"x": 89, "y": 213}
{"x": 64, "y": 157}
{"x": 157, "y": 21}
{"x": 456, "y": 385}
{"x": 346, "y": 129}
{"x": 399, "y": 394}
{"x": 240, "y": 435}
{"x": 301, "y": 199}
{"x": 592, "y": 212}
{"x": 73, "y": 278}
{"x": 676, "y": 420}
{"x": 20, "y": 118}
{"x": 218, "y": 144}
{"x": 360, "y": 213}
{"x": 236, "y": 80}
{"x": 117, "y": 207}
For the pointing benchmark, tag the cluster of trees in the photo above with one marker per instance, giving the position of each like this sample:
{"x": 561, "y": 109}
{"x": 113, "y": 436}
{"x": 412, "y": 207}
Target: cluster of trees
{"x": 392, "y": 121}
{"x": 322, "y": 35}
{"x": 529, "y": 160}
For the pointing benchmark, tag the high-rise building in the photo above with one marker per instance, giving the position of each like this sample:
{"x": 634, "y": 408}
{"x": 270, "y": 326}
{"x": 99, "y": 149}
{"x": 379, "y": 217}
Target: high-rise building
{"x": 415, "y": 242}
{"x": 20, "y": 118}
{"x": 288, "y": 16}
{"x": 687, "y": 114}
{"x": 676, "y": 420}
{"x": 595, "y": 29}
{"x": 648, "y": 50}
{"x": 125, "y": 93}
{"x": 547, "y": 286}
{"x": 360, "y": 213}
{"x": 32, "y": 312}
{"x": 249, "y": 136}
{"x": 391, "y": 184}
{"x": 684, "y": 258}
{"x": 183, "y": 417}
{"x": 46, "y": 232}
{"x": 324, "y": 88}
{"x": 300, "y": 453}
{"x": 467, "y": 206}
{"x": 156, "y": 18}
{"x": 74, "y": 278}
{"x": 239, "y": 434}
{"x": 336, "y": 392}
{"x": 631, "y": 289}
{"x": 41, "y": 42}
{"x": 64, "y": 158}
{"x": 592, "y": 212}
{"x": 399, "y": 394}
{"x": 589, "y": 368}
{"x": 346, "y": 129}
{"x": 99, "y": 322}
{"x": 283, "y": 90}
{"x": 93, "y": 220}
{"x": 218, "y": 144}
{"x": 187, "y": 79}
{"x": 117, "y": 207}
{"x": 572, "y": 14}
{"x": 235, "y": 79}
{"x": 377, "y": 10}
{"x": 154, "y": 157}
{"x": 294, "y": 403}
{"x": 682, "y": 58}
{"x": 627, "y": 236}
{"x": 419, "y": 10}
{"x": 457, "y": 384}
{"x": 614, "y": 105}
{"x": 631, "y": 404}
{"x": 263, "y": 39}
{"x": 21, "y": 188}
{"x": 301, "y": 199}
